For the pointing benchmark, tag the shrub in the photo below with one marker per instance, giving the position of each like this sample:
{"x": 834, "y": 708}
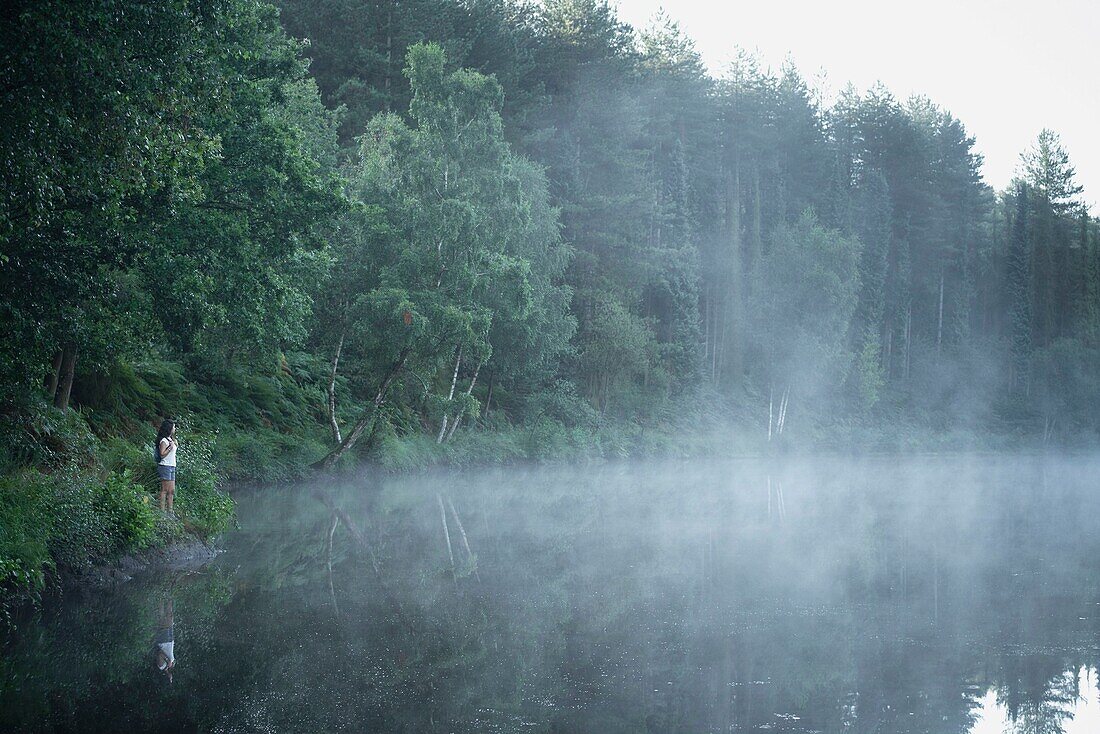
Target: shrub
{"x": 25, "y": 526}
{"x": 265, "y": 455}
{"x": 548, "y": 439}
{"x": 404, "y": 453}
{"x": 128, "y": 512}
{"x": 79, "y": 532}
{"x": 199, "y": 503}
{"x": 471, "y": 446}
{"x": 36, "y": 434}
{"x": 120, "y": 456}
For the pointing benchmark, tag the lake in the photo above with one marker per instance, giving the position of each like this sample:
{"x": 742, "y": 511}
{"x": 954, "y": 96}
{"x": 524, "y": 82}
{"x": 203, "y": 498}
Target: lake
{"x": 923, "y": 594}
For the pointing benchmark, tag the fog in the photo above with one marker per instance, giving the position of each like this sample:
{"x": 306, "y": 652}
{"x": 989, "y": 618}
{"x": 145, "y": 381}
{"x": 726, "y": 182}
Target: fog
{"x": 925, "y": 594}
{"x": 862, "y": 45}
{"x": 708, "y": 321}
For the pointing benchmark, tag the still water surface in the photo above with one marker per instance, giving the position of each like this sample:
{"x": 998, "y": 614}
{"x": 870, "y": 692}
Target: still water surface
{"x": 812, "y": 595}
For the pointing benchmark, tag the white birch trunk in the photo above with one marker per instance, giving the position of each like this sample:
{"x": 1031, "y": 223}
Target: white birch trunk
{"x": 939, "y": 324}
{"x": 770, "y": 401}
{"x": 368, "y": 415}
{"x": 450, "y": 397}
{"x": 781, "y": 422}
{"x": 335, "y": 425}
{"x": 469, "y": 390}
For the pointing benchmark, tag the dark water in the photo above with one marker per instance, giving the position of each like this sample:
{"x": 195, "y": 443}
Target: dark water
{"x": 924, "y": 595}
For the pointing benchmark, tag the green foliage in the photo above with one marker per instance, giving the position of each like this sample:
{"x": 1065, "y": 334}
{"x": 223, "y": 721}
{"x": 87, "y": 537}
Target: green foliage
{"x": 98, "y": 135}
{"x": 266, "y": 424}
{"x": 34, "y": 434}
{"x": 868, "y": 373}
{"x": 173, "y": 194}
{"x": 1047, "y": 168}
{"x": 200, "y": 504}
{"x": 452, "y": 251}
{"x": 133, "y": 460}
{"x": 128, "y": 512}
{"x": 807, "y": 294}
{"x": 1069, "y": 375}
{"x": 25, "y": 527}
{"x": 98, "y": 500}
{"x": 618, "y": 350}
{"x": 547, "y": 439}
{"x": 265, "y": 455}
{"x": 405, "y": 453}
{"x": 79, "y": 534}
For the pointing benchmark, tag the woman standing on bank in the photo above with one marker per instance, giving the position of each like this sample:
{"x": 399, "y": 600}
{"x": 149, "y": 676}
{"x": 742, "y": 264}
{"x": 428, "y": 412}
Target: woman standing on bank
{"x": 166, "y": 463}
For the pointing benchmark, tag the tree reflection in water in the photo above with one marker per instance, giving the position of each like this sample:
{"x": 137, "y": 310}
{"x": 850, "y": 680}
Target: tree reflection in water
{"x": 886, "y": 596}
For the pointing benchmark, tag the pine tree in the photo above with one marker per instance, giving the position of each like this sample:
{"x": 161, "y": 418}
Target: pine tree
{"x": 1019, "y": 290}
{"x": 1048, "y": 170}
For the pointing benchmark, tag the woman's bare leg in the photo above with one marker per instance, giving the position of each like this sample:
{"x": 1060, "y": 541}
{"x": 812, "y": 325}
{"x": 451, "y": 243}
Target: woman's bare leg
{"x": 171, "y": 484}
{"x": 163, "y": 492}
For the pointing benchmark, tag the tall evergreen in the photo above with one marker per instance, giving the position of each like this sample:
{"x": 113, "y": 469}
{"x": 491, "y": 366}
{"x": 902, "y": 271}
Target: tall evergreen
{"x": 1019, "y": 278}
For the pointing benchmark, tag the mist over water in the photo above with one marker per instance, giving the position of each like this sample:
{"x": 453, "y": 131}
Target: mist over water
{"x": 803, "y": 595}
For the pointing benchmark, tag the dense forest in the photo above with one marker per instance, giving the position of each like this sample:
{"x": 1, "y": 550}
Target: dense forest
{"x": 332, "y": 231}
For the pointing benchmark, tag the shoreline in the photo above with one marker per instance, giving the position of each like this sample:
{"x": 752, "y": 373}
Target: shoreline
{"x": 183, "y": 554}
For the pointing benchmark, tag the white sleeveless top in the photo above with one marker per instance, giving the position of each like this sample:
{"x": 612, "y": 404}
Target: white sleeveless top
{"x": 168, "y": 459}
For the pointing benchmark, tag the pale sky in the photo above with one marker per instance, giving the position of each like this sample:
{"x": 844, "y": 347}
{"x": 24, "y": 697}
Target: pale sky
{"x": 1006, "y": 68}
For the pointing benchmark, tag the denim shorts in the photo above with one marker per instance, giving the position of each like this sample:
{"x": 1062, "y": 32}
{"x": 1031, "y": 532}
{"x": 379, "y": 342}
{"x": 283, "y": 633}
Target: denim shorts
{"x": 166, "y": 472}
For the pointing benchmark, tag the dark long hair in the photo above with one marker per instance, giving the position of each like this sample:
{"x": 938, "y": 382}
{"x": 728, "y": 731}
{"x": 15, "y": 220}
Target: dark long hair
{"x": 164, "y": 432}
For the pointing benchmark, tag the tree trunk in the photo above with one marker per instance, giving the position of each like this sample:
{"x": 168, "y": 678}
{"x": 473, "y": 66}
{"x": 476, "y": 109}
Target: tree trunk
{"x": 389, "y": 55}
{"x": 450, "y": 396}
{"x": 756, "y": 247}
{"x": 55, "y": 374}
{"x": 908, "y": 337}
{"x": 470, "y": 389}
{"x": 368, "y": 415}
{"x": 705, "y": 307}
{"x": 68, "y": 364}
{"x": 939, "y": 320}
{"x": 332, "y": 392}
{"x": 729, "y": 354}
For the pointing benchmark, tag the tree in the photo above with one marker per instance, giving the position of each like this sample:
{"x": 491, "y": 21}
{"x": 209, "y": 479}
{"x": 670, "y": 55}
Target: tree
{"x": 1019, "y": 290}
{"x": 97, "y": 137}
{"x": 1046, "y": 167}
{"x": 237, "y": 265}
{"x": 449, "y": 226}
{"x": 808, "y": 293}
{"x": 872, "y": 215}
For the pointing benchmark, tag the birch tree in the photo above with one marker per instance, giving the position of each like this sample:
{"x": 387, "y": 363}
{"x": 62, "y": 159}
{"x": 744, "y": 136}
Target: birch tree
{"x": 440, "y": 246}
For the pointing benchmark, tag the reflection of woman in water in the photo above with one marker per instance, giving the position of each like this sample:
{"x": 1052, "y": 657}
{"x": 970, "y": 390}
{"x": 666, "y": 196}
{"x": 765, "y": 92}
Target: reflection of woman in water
{"x": 164, "y": 639}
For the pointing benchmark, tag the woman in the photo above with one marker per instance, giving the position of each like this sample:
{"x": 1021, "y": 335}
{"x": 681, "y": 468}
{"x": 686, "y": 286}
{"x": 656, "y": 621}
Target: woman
{"x": 166, "y": 463}
{"x": 164, "y": 641}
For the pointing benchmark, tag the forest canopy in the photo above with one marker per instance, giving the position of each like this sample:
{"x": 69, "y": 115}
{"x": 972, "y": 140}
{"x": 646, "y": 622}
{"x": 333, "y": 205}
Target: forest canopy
{"x": 434, "y": 217}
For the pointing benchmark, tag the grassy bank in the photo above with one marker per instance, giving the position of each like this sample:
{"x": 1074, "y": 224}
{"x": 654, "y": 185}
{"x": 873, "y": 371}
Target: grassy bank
{"x": 71, "y": 499}
{"x": 78, "y": 488}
